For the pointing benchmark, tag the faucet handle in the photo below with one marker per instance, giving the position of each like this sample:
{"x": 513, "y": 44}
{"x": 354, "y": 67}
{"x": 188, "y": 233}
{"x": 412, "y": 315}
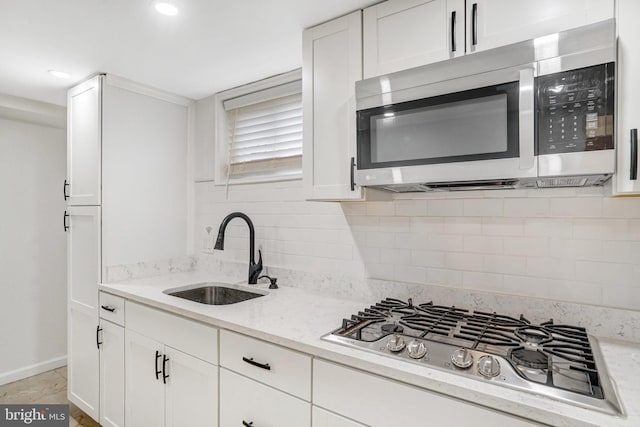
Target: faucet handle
{"x": 273, "y": 281}
{"x": 259, "y": 263}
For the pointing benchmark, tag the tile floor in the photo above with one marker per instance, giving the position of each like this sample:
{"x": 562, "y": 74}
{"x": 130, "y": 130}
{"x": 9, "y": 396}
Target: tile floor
{"x": 48, "y": 387}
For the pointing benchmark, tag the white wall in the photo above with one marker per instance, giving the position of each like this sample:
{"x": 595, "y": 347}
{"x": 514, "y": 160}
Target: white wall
{"x": 573, "y": 245}
{"x": 32, "y": 249}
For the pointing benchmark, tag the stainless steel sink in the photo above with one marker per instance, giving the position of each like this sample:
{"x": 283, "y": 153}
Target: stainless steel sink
{"x": 213, "y": 294}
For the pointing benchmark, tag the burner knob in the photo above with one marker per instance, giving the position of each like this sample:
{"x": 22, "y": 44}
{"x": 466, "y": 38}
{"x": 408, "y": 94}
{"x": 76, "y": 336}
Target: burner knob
{"x": 416, "y": 349}
{"x": 395, "y": 343}
{"x": 462, "y": 358}
{"x": 488, "y": 366}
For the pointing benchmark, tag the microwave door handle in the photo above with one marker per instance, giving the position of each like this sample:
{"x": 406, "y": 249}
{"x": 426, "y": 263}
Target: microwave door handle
{"x": 526, "y": 118}
{"x": 633, "y": 172}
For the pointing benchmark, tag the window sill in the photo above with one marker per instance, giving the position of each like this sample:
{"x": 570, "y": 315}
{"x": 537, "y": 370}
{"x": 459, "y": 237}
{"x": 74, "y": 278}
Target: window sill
{"x": 259, "y": 180}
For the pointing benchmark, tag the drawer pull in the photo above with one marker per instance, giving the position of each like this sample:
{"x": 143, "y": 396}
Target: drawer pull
{"x": 157, "y": 370}
{"x": 98, "y": 342}
{"x": 165, "y": 359}
{"x": 247, "y": 424}
{"x": 250, "y": 361}
{"x": 108, "y": 308}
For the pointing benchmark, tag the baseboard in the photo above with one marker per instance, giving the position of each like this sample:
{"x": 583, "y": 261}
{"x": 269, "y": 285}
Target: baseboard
{"x": 35, "y": 369}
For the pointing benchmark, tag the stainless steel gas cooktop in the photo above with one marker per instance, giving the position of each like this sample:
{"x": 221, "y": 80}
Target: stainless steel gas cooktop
{"x": 555, "y": 360}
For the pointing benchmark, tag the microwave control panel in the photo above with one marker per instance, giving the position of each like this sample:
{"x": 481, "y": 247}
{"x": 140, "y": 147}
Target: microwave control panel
{"x": 575, "y": 110}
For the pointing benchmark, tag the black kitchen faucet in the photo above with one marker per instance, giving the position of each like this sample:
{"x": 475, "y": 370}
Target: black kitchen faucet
{"x": 254, "y": 269}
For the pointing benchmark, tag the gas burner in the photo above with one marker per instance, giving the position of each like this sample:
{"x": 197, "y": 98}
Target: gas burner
{"x": 562, "y": 360}
{"x": 533, "y": 335}
{"x": 529, "y": 358}
{"x": 390, "y": 328}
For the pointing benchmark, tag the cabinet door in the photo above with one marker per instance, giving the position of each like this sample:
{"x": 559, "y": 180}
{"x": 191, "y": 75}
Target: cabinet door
{"x": 332, "y": 63}
{"x": 246, "y": 401}
{"x": 322, "y": 418}
{"x": 628, "y": 110}
{"x": 83, "y": 361}
{"x": 83, "y": 276}
{"x": 401, "y": 34}
{"x": 500, "y": 22}
{"x": 143, "y": 387}
{"x": 111, "y": 375}
{"x": 84, "y": 142}
{"x": 191, "y": 393}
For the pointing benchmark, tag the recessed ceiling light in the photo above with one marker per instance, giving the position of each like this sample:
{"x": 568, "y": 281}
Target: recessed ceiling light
{"x": 166, "y": 9}
{"x": 59, "y": 74}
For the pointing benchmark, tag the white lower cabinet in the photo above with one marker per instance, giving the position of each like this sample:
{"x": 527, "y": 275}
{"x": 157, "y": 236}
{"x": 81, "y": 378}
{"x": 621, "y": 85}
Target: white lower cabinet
{"x": 111, "y": 374}
{"x": 245, "y": 402}
{"x": 171, "y": 375}
{"x": 322, "y": 418}
{"x": 380, "y": 402}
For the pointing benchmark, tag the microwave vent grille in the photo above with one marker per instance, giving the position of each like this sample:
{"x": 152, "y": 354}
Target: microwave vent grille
{"x": 562, "y": 182}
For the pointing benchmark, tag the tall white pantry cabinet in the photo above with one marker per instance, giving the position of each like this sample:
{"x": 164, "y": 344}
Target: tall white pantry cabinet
{"x": 117, "y": 162}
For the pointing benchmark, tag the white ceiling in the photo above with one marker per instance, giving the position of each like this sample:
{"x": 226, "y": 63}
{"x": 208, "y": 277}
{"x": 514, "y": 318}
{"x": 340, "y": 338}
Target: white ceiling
{"x": 211, "y": 45}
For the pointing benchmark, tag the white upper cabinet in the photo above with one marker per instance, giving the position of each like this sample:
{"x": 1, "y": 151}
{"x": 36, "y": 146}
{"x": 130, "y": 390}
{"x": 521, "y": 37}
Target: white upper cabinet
{"x": 84, "y": 143}
{"x": 626, "y": 181}
{"x": 401, "y": 34}
{"x": 493, "y": 23}
{"x": 332, "y": 63}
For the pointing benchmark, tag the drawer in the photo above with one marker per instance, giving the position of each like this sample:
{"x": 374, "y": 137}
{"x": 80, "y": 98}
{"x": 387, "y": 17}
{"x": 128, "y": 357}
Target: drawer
{"x": 189, "y": 336}
{"x": 247, "y": 402}
{"x": 334, "y": 388}
{"x": 112, "y": 308}
{"x": 273, "y": 365}
{"x": 322, "y": 418}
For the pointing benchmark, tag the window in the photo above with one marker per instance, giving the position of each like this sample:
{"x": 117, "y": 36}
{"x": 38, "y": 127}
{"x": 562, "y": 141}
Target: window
{"x": 259, "y": 131}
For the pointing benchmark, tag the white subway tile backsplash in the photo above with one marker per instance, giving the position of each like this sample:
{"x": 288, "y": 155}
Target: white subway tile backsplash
{"x": 566, "y": 244}
{"x": 380, "y": 208}
{"x": 576, "y": 207}
{"x": 503, "y": 226}
{"x": 445, "y": 242}
{"x": 483, "y": 244}
{"x": 601, "y": 229}
{"x": 552, "y": 268}
{"x": 530, "y": 246}
{"x": 409, "y": 273}
{"x": 551, "y": 227}
{"x": 427, "y": 224}
{"x": 444, "y": 277}
{"x": 445, "y": 207}
{"x": 411, "y": 207}
{"x": 505, "y": 264}
{"x": 483, "y": 207}
{"x": 464, "y": 225}
{"x": 575, "y": 249}
{"x": 571, "y": 290}
{"x": 463, "y": 261}
{"x": 380, "y": 239}
{"x": 604, "y": 273}
{"x": 526, "y": 208}
{"x": 486, "y": 281}
{"x": 434, "y": 259}
{"x": 395, "y": 224}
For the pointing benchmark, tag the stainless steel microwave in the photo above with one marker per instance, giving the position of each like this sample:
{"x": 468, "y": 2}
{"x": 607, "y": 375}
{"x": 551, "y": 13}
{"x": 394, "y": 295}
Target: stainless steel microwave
{"x": 532, "y": 114}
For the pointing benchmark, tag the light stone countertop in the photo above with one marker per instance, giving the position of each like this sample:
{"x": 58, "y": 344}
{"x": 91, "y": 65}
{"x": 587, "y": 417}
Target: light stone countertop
{"x": 297, "y": 318}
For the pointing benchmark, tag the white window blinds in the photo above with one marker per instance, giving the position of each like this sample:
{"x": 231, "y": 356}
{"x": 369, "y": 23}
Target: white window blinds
{"x": 265, "y": 132}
